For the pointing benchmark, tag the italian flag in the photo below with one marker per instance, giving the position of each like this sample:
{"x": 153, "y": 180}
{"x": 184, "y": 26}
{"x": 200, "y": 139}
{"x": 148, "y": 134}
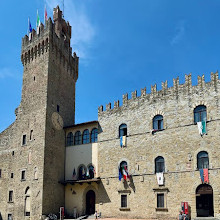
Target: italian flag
{"x": 45, "y": 15}
{"x": 38, "y": 20}
{"x": 125, "y": 173}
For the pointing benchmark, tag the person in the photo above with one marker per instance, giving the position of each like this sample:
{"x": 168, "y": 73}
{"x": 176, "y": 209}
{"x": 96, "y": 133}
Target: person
{"x": 96, "y": 215}
{"x": 180, "y": 216}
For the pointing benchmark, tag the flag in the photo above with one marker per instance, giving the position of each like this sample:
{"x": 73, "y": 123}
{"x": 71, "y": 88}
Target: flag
{"x": 29, "y": 29}
{"x": 126, "y": 170}
{"x": 38, "y": 23}
{"x": 206, "y": 175}
{"x": 201, "y": 175}
{"x": 74, "y": 173}
{"x": 199, "y": 124}
{"x": 159, "y": 178}
{"x": 124, "y": 141}
{"x": 124, "y": 174}
{"x": 203, "y": 127}
{"x": 119, "y": 174}
{"x": 121, "y": 141}
{"x": 29, "y": 26}
{"x": 45, "y": 15}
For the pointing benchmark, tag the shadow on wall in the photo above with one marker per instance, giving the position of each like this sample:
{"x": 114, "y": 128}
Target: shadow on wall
{"x": 0, "y": 216}
{"x": 130, "y": 184}
{"x": 103, "y": 196}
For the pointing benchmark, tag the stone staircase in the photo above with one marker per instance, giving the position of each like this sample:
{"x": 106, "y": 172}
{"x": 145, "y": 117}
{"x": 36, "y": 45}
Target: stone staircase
{"x": 206, "y": 218}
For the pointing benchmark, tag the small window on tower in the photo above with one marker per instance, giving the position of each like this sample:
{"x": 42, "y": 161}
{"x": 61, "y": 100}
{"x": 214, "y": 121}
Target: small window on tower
{"x": 31, "y": 134}
{"x": 58, "y": 108}
{"x": 10, "y": 196}
{"x": 24, "y": 140}
{"x": 12, "y": 175}
{"x": 9, "y": 216}
{"x": 0, "y": 173}
{"x": 23, "y": 175}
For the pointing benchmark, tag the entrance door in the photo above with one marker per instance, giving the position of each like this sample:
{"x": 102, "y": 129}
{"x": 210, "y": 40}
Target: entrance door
{"x": 204, "y": 201}
{"x": 90, "y": 202}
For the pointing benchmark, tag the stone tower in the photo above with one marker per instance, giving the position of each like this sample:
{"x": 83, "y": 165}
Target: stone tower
{"x": 34, "y": 149}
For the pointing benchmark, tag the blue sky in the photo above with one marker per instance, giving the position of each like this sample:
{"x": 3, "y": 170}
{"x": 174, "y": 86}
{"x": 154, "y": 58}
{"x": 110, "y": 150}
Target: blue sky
{"x": 123, "y": 46}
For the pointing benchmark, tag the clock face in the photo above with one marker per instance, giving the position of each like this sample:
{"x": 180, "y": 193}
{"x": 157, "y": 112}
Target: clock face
{"x": 57, "y": 121}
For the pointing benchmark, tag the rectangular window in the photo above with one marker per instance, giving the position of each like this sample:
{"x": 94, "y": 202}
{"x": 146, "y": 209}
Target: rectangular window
{"x": 160, "y": 200}
{"x": 0, "y": 173}
{"x": 23, "y": 175}
{"x": 24, "y": 139}
{"x": 123, "y": 201}
{"x": 31, "y": 134}
{"x": 10, "y": 197}
{"x": 12, "y": 175}
{"x": 58, "y": 108}
{"x": 9, "y": 216}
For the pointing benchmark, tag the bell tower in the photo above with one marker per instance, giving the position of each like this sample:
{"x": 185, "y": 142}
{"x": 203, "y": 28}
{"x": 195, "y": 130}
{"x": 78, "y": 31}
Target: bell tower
{"x": 47, "y": 105}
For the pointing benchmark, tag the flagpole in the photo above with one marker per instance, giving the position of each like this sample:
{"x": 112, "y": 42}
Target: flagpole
{"x": 63, "y": 8}
{"x": 28, "y": 26}
{"x": 37, "y": 17}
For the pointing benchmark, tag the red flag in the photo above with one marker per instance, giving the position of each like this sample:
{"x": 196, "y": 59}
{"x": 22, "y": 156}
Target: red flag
{"x": 45, "y": 15}
{"x": 206, "y": 175}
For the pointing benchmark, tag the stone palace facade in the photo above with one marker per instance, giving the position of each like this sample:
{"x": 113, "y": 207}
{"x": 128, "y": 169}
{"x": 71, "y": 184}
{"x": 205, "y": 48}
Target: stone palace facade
{"x": 141, "y": 159}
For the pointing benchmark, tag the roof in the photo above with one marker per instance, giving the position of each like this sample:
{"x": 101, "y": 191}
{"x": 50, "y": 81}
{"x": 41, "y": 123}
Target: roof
{"x": 84, "y": 123}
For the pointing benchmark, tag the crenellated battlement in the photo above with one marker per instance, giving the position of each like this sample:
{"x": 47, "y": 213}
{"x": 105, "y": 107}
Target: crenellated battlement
{"x": 55, "y": 37}
{"x": 185, "y": 89}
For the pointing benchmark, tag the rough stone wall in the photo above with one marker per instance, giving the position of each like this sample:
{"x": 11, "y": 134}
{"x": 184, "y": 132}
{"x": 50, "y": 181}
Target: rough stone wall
{"x": 50, "y": 73}
{"x": 179, "y": 143}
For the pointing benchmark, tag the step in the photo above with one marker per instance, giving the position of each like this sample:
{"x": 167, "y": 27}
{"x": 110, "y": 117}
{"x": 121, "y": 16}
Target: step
{"x": 206, "y": 218}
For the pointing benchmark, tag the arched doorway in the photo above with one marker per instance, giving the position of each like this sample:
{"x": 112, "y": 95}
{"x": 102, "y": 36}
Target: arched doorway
{"x": 90, "y": 202}
{"x": 204, "y": 201}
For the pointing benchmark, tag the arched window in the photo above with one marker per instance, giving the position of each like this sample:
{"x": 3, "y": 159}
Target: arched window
{"x": 94, "y": 135}
{"x": 27, "y": 201}
{"x": 123, "y": 164}
{"x": 123, "y": 170}
{"x": 86, "y": 136}
{"x": 159, "y": 165}
{"x": 77, "y": 138}
{"x": 158, "y": 122}
{"x": 91, "y": 171}
{"x": 202, "y": 160}
{"x": 199, "y": 113}
{"x": 122, "y": 130}
{"x": 82, "y": 172}
{"x": 69, "y": 139}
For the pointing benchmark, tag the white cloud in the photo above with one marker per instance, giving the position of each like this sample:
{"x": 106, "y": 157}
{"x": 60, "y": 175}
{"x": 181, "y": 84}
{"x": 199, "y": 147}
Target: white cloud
{"x": 83, "y": 31}
{"x": 179, "y": 32}
{"x": 6, "y": 73}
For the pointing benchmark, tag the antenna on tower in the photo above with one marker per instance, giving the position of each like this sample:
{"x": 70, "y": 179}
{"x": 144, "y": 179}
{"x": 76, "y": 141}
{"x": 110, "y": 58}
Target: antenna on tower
{"x": 63, "y": 8}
